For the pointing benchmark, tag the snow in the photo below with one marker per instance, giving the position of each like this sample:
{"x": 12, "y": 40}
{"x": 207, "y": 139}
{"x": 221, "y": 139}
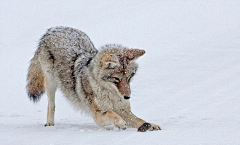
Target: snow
{"x": 187, "y": 81}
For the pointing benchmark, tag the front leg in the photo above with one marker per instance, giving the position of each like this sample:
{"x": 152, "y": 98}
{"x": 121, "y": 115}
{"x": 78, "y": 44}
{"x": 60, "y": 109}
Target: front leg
{"x": 109, "y": 118}
{"x": 135, "y": 122}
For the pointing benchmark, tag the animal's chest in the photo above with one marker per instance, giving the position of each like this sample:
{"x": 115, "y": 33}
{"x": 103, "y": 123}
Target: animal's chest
{"x": 111, "y": 103}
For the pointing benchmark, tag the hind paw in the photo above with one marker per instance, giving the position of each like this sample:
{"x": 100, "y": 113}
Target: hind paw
{"x": 49, "y": 124}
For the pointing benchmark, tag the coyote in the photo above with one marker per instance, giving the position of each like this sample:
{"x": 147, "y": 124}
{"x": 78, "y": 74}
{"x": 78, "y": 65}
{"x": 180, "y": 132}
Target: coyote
{"x": 94, "y": 81}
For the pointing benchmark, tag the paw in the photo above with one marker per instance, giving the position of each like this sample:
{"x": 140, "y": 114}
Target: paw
{"x": 120, "y": 123}
{"x": 148, "y": 126}
{"x": 144, "y": 127}
{"x": 154, "y": 127}
{"x": 49, "y": 124}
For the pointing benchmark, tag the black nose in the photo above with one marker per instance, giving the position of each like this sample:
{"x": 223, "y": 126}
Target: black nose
{"x": 126, "y": 97}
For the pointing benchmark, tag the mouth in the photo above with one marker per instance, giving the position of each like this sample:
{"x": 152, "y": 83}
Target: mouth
{"x": 126, "y": 97}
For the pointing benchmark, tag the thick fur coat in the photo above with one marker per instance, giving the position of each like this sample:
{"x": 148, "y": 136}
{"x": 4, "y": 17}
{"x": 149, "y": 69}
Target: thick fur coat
{"x": 96, "y": 82}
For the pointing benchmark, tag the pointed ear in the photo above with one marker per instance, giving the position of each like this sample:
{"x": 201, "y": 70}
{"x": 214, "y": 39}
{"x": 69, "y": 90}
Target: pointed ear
{"x": 133, "y": 54}
{"x": 110, "y": 61}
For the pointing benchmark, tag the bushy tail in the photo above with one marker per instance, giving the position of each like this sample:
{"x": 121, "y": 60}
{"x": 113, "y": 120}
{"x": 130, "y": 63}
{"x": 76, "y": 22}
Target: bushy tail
{"x": 35, "y": 80}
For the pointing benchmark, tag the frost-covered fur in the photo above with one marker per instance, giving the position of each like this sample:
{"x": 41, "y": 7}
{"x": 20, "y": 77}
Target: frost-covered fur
{"x": 94, "y": 82}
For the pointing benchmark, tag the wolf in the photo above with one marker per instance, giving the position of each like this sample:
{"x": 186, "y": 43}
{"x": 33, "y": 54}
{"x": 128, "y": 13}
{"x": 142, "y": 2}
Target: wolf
{"x": 94, "y": 81}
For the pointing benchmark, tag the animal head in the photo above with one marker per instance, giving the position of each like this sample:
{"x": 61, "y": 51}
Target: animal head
{"x": 116, "y": 67}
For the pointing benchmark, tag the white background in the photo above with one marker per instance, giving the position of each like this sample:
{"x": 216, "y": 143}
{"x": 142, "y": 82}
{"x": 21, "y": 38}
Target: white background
{"x": 188, "y": 80}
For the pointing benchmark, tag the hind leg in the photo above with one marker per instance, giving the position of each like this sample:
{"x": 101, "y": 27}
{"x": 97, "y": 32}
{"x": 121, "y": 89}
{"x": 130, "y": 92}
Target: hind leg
{"x": 50, "y": 88}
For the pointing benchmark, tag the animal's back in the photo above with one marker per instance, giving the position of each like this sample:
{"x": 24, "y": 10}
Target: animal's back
{"x": 58, "y": 50}
{"x": 66, "y": 38}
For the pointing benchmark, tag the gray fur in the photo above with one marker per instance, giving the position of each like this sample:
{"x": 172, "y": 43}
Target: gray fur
{"x": 68, "y": 60}
{"x": 59, "y": 49}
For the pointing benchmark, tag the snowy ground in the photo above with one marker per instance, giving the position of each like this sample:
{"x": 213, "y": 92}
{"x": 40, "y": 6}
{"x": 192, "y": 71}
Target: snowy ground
{"x": 188, "y": 81}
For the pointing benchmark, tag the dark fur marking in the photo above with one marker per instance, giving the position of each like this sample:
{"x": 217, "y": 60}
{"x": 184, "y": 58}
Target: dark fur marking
{"x": 83, "y": 88}
{"x": 73, "y": 79}
{"x": 73, "y": 72}
{"x": 75, "y": 57}
{"x": 88, "y": 61}
{"x": 51, "y": 56}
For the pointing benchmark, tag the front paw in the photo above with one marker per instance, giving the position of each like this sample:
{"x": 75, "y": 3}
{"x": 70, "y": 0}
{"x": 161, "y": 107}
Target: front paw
{"x": 148, "y": 126}
{"x": 154, "y": 127}
{"x": 144, "y": 127}
{"x": 120, "y": 123}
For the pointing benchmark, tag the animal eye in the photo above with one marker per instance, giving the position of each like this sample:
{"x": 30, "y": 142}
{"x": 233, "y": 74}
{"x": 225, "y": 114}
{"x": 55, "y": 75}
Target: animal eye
{"x": 115, "y": 80}
{"x": 129, "y": 79}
